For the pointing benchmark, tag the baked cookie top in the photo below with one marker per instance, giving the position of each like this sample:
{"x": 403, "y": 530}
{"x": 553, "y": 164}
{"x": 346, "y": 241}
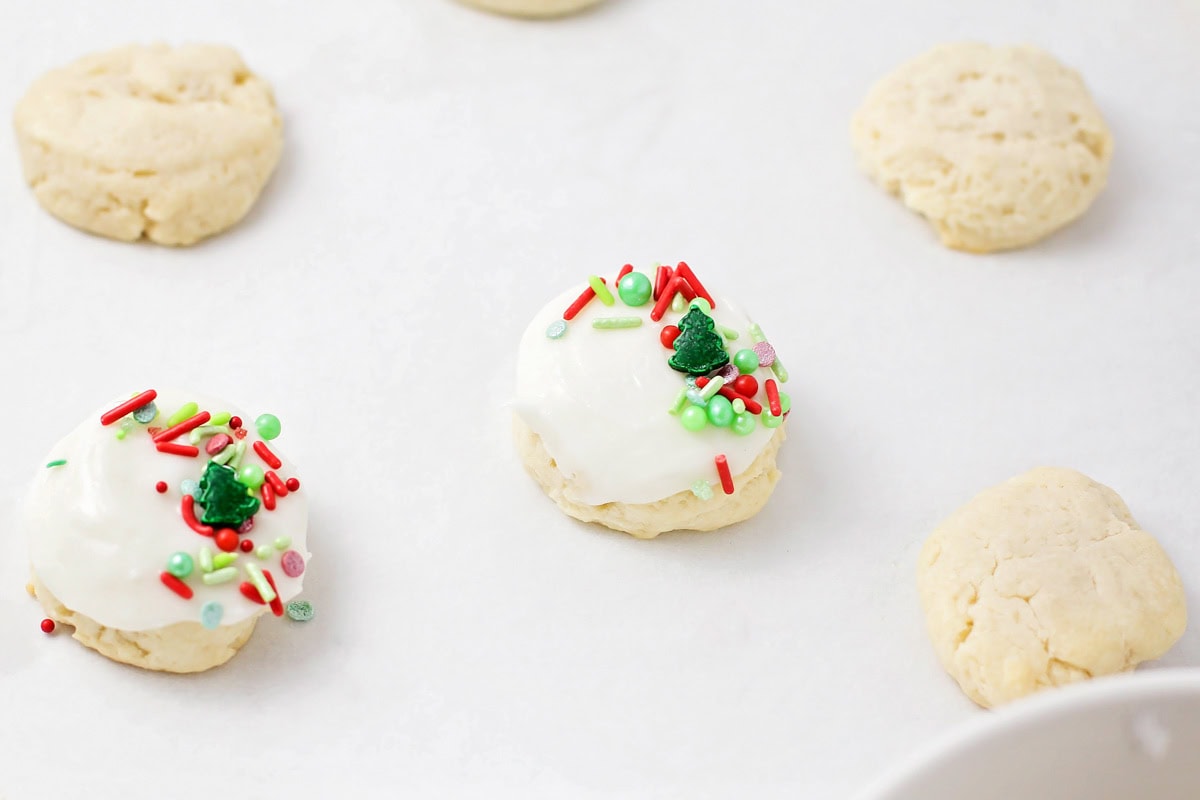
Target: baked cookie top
{"x": 166, "y": 507}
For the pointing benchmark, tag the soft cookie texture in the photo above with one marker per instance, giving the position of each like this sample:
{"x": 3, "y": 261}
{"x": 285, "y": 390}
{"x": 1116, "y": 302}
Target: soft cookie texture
{"x": 997, "y": 147}
{"x": 1045, "y": 580}
{"x": 532, "y": 8}
{"x": 148, "y": 141}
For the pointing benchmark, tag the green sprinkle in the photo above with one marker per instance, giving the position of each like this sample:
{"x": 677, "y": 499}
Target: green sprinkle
{"x": 677, "y": 304}
{"x": 300, "y": 610}
{"x": 557, "y": 329}
{"x": 728, "y": 332}
{"x": 206, "y": 560}
{"x": 125, "y": 427}
{"x": 203, "y": 431}
{"x": 739, "y": 406}
{"x": 712, "y": 387}
{"x": 263, "y": 552}
{"x": 779, "y": 370}
{"x": 219, "y": 576}
{"x": 680, "y": 401}
{"x": 702, "y": 489}
{"x": 260, "y": 582}
{"x": 222, "y": 560}
{"x": 224, "y": 456}
{"x": 58, "y": 462}
{"x": 701, "y": 304}
{"x": 146, "y": 414}
{"x": 283, "y": 543}
{"x": 756, "y": 334}
{"x": 187, "y": 412}
{"x": 611, "y": 323}
{"x": 239, "y": 450}
{"x": 221, "y": 418}
{"x": 600, "y": 289}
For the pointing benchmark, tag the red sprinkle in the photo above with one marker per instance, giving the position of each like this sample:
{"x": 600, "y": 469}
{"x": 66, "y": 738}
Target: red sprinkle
{"x": 175, "y": 585}
{"x": 675, "y": 286}
{"x": 187, "y": 509}
{"x": 752, "y": 405}
{"x": 247, "y": 589}
{"x": 276, "y": 483}
{"x": 276, "y": 604}
{"x": 227, "y": 540}
{"x": 745, "y": 385}
{"x": 246, "y": 545}
{"x": 625, "y": 270}
{"x": 580, "y": 302}
{"x": 723, "y": 471}
{"x": 668, "y": 335}
{"x": 240, "y": 433}
{"x": 661, "y": 279}
{"x": 178, "y": 449}
{"x": 292, "y": 564}
{"x": 161, "y": 487}
{"x": 293, "y": 484}
{"x": 266, "y": 455}
{"x": 217, "y": 443}
{"x": 701, "y": 382}
{"x": 47, "y": 625}
{"x": 235, "y": 423}
{"x": 268, "y": 496}
{"x": 109, "y": 417}
{"x": 187, "y": 426}
{"x": 684, "y": 271}
{"x": 773, "y": 397}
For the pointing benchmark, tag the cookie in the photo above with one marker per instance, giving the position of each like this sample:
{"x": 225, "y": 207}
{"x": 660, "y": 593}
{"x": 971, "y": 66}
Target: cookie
{"x": 646, "y": 404}
{"x": 171, "y": 145}
{"x": 998, "y": 147}
{"x": 532, "y": 8}
{"x": 162, "y": 529}
{"x": 1045, "y": 580}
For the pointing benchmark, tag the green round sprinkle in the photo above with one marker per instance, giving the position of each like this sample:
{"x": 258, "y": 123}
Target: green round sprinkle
{"x": 744, "y": 424}
{"x": 785, "y": 403}
{"x": 187, "y": 412}
{"x": 268, "y": 426}
{"x": 720, "y": 411}
{"x": 283, "y": 543}
{"x": 252, "y": 476}
{"x": 180, "y": 565}
{"x": 693, "y": 418}
{"x": 263, "y": 552}
{"x": 300, "y": 610}
{"x": 769, "y": 420}
{"x": 701, "y": 304}
{"x": 146, "y": 414}
{"x": 702, "y": 489}
{"x": 220, "y": 418}
{"x": 746, "y": 361}
{"x": 739, "y": 406}
{"x": 58, "y": 462}
{"x": 557, "y": 329}
{"x": 635, "y": 289}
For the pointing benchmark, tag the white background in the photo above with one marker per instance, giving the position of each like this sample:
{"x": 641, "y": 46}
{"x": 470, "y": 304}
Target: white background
{"x": 445, "y": 173}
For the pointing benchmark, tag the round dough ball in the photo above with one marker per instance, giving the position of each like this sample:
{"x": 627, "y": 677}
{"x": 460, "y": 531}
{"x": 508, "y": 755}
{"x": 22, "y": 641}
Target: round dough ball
{"x": 532, "y": 8}
{"x": 1045, "y": 580}
{"x": 997, "y": 147}
{"x": 168, "y": 144}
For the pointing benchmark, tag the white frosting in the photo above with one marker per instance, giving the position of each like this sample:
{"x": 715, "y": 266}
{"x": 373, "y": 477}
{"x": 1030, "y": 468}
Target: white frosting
{"x": 100, "y": 534}
{"x": 600, "y": 400}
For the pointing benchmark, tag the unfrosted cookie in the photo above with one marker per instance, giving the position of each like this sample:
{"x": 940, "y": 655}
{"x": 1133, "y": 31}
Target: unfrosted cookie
{"x": 997, "y": 147}
{"x": 532, "y": 8}
{"x": 168, "y": 144}
{"x": 651, "y": 406}
{"x": 1044, "y": 580}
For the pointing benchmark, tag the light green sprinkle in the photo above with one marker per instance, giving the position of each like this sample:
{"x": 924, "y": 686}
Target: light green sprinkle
{"x": 219, "y": 576}
{"x": 260, "y": 582}
{"x": 728, "y": 332}
{"x": 678, "y": 304}
{"x": 300, "y": 610}
{"x": 712, "y": 387}
{"x": 186, "y": 412}
{"x": 680, "y": 401}
{"x": 239, "y": 450}
{"x": 126, "y": 426}
{"x": 701, "y": 304}
{"x": 611, "y": 323}
{"x": 779, "y": 370}
{"x": 222, "y": 560}
{"x": 58, "y": 462}
{"x": 221, "y": 418}
{"x": 702, "y": 489}
{"x": 601, "y": 290}
{"x": 204, "y": 431}
{"x": 739, "y": 406}
{"x": 206, "y": 559}
{"x": 263, "y": 552}
{"x": 224, "y": 456}
{"x": 756, "y": 334}
{"x": 283, "y": 543}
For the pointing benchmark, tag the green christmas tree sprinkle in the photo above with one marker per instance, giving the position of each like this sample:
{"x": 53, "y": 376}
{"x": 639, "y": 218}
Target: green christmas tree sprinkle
{"x": 226, "y": 501}
{"x": 699, "y": 349}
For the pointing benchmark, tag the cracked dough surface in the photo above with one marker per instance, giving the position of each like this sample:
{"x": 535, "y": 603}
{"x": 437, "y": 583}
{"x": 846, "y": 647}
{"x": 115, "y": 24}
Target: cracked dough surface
{"x": 1044, "y": 580}
{"x": 532, "y": 8}
{"x": 170, "y": 144}
{"x": 997, "y": 147}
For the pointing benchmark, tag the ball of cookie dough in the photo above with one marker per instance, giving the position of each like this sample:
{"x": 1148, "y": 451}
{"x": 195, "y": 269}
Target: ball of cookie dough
{"x": 1045, "y": 580}
{"x": 532, "y": 8}
{"x": 997, "y": 147}
{"x": 170, "y": 144}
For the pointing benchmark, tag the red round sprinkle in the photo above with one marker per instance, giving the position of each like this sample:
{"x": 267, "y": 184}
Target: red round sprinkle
{"x": 668, "y": 336}
{"x": 292, "y": 563}
{"x": 47, "y": 625}
{"x": 246, "y": 545}
{"x": 293, "y": 484}
{"x": 746, "y": 385}
{"x": 235, "y": 423}
{"x": 161, "y": 487}
{"x": 226, "y": 539}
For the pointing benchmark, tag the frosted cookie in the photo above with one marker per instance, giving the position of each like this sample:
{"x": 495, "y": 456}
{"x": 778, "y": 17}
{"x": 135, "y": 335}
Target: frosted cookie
{"x": 997, "y": 147}
{"x": 532, "y": 8}
{"x": 163, "y": 527}
{"x": 1045, "y": 580}
{"x": 168, "y": 144}
{"x": 649, "y": 405}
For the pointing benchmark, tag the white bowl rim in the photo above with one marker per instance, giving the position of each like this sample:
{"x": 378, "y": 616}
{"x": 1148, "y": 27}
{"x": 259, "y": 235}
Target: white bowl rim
{"x": 1047, "y": 704}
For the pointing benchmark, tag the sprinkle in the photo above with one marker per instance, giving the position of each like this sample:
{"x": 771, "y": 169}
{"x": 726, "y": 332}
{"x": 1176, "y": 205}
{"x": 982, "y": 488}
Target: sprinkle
{"x": 146, "y": 414}
{"x": 661, "y": 278}
{"x": 729, "y": 372}
{"x": 217, "y": 577}
{"x": 267, "y": 426}
{"x": 723, "y": 471}
{"x": 125, "y": 427}
{"x": 226, "y": 540}
{"x": 580, "y": 302}
{"x": 728, "y": 332}
{"x": 223, "y": 560}
{"x": 260, "y": 582}
{"x": 109, "y": 417}
{"x": 668, "y": 335}
{"x": 612, "y": 323}
{"x": 300, "y": 610}
{"x": 678, "y": 304}
{"x": 47, "y": 625}
{"x": 264, "y": 552}
{"x": 739, "y": 406}
{"x": 283, "y": 543}
{"x": 224, "y": 456}
{"x": 673, "y": 287}
{"x": 277, "y": 483}
{"x": 557, "y": 329}
{"x": 702, "y": 489}
{"x": 180, "y": 428}
{"x": 239, "y": 450}
{"x": 773, "y": 397}
{"x": 276, "y": 603}
{"x": 58, "y": 462}
{"x": 186, "y": 411}
{"x": 206, "y": 559}
{"x": 686, "y": 272}
{"x": 250, "y": 593}
{"x": 221, "y": 418}
{"x": 600, "y": 287}
{"x": 217, "y": 443}
{"x": 246, "y": 545}
{"x": 177, "y": 586}
{"x": 625, "y": 270}
{"x": 239, "y": 433}
{"x": 292, "y": 484}
{"x": 756, "y": 334}
{"x": 680, "y": 401}
{"x": 266, "y": 455}
{"x": 210, "y": 614}
{"x": 189, "y": 486}
{"x": 246, "y": 526}
{"x": 235, "y": 423}
{"x": 709, "y": 388}
{"x": 180, "y": 565}
{"x": 752, "y": 405}
{"x": 779, "y": 370}
{"x": 292, "y": 564}
{"x": 696, "y": 398}
{"x": 187, "y": 509}
{"x": 178, "y": 449}
{"x": 268, "y": 496}
{"x": 766, "y": 353}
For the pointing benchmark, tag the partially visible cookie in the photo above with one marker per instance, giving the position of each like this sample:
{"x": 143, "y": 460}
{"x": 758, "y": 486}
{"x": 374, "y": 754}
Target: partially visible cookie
{"x": 1045, "y": 580}
{"x": 997, "y": 147}
{"x": 532, "y": 8}
{"x": 170, "y": 144}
